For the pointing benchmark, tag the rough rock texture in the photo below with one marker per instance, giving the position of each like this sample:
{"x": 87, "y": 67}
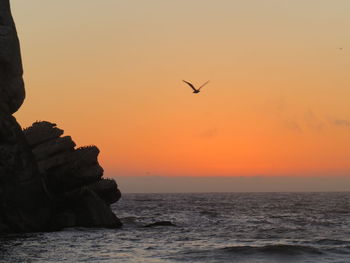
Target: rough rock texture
{"x": 106, "y": 189}
{"x": 88, "y": 210}
{"x": 74, "y": 177}
{"x": 45, "y": 183}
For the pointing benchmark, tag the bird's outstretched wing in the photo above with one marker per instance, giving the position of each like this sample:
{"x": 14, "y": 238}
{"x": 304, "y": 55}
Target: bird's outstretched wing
{"x": 189, "y": 84}
{"x": 204, "y": 84}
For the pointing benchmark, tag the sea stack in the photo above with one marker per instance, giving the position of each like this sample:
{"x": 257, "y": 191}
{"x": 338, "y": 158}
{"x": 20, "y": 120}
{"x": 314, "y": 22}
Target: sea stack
{"x": 45, "y": 183}
{"x": 12, "y": 92}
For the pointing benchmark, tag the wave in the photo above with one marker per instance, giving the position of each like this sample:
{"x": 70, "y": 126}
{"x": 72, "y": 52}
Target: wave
{"x": 128, "y": 219}
{"x": 274, "y": 249}
{"x": 209, "y": 213}
{"x": 333, "y": 242}
{"x": 147, "y": 199}
{"x": 268, "y": 253}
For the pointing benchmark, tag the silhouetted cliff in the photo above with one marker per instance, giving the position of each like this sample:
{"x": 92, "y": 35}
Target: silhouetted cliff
{"x": 45, "y": 182}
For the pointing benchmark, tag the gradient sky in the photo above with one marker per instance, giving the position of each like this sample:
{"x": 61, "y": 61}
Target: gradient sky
{"x": 109, "y": 73}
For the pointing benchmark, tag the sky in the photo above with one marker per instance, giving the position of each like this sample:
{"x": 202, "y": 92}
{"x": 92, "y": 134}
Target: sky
{"x": 110, "y": 73}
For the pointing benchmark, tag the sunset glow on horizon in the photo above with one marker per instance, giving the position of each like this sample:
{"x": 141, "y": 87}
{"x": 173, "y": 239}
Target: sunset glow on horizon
{"x": 110, "y": 73}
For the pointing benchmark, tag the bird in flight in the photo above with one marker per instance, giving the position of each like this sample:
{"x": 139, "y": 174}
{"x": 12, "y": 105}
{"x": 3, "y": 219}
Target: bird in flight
{"x": 194, "y": 89}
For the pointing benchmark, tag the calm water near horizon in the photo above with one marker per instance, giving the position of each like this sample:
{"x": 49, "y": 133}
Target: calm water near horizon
{"x": 218, "y": 227}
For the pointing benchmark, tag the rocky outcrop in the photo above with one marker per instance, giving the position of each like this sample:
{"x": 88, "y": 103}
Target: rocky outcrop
{"x": 84, "y": 208}
{"x": 73, "y": 177}
{"x": 45, "y": 182}
{"x": 106, "y": 189}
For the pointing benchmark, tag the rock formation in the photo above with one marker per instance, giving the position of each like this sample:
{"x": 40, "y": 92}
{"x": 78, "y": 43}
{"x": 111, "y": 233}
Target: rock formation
{"x": 24, "y": 205}
{"x": 23, "y": 202}
{"x": 73, "y": 178}
{"x": 45, "y": 182}
{"x": 12, "y": 92}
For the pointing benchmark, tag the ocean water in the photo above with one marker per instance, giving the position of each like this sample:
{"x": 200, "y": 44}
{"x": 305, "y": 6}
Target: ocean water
{"x": 222, "y": 227}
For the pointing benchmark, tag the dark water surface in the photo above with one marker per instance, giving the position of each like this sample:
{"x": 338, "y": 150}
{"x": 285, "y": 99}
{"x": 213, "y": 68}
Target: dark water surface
{"x": 237, "y": 227}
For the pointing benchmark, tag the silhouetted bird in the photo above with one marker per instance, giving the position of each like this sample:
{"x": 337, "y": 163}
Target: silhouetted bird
{"x": 194, "y": 89}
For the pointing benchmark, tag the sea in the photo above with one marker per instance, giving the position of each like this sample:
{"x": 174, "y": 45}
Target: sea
{"x": 208, "y": 227}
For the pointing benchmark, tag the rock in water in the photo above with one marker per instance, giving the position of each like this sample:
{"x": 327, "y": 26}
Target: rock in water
{"x": 107, "y": 190}
{"x": 91, "y": 211}
{"x": 74, "y": 178}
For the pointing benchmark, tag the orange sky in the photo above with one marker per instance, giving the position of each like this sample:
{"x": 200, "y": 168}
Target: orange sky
{"x": 109, "y": 73}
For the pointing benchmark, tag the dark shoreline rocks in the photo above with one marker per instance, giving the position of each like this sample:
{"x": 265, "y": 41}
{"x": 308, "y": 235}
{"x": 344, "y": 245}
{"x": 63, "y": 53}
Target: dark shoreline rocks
{"x": 73, "y": 178}
{"x": 24, "y": 204}
{"x": 46, "y": 183}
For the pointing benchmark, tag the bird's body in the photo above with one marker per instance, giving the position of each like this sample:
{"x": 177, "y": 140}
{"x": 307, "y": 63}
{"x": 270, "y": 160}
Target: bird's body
{"x": 194, "y": 89}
